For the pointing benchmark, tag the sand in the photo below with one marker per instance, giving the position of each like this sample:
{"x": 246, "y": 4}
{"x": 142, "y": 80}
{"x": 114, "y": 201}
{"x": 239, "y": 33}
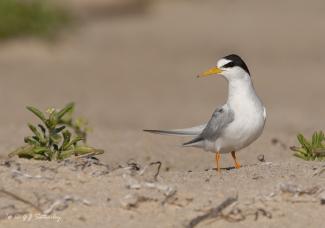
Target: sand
{"x": 137, "y": 71}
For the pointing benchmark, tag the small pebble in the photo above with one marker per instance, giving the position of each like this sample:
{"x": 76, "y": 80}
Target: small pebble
{"x": 261, "y": 158}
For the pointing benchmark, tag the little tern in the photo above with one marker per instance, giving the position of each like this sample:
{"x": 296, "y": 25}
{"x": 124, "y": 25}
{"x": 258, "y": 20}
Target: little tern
{"x": 234, "y": 125}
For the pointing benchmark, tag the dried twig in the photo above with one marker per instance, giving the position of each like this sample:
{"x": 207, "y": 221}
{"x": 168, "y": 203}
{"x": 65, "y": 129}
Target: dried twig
{"x": 158, "y": 169}
{"x": 18, "y": 198}
{"x": 235, "y": 215}
{"x": 319, "y": 171}
{"x": 133, "y": 166}
{"x": 133, "y": 200}
{"x": 166, "y": 189}
{"x": 152, "y": 163}
{"x": 16, "y": 173}
{"x": 170, "y": 195}
{"x": 59, "y": 204}
{"x": 62, "y": 203}
{"x": 297, "y": 190}
{"x": 263, "y": 212}
{"x": 10, "y": 215}
{"x": 212, "y": 213}
{"x": 133, "y": 183}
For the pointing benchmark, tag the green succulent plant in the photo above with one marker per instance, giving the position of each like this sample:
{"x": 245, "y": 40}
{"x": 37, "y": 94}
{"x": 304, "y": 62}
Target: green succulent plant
{"x": 37, "y": 18}
{"x": 310, "y": 150}
{"x": 53, "y": 139}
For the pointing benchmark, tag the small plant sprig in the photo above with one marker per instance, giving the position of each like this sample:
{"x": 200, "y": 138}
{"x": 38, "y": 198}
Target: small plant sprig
{"x": 52, "y": 139}
{"x": 310, "y": 150}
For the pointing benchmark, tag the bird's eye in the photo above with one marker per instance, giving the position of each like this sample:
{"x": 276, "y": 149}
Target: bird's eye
{"x": 228, "y": 65}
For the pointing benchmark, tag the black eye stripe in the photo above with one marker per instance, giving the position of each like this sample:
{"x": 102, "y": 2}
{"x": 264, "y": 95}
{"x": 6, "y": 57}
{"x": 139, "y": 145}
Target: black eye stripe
{"x": 236, "y": 61}
{"x": 230, "y": 64}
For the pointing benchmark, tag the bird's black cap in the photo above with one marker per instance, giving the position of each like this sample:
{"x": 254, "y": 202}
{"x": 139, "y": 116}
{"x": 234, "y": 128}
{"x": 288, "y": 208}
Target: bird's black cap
{"x": 236, "y": 61}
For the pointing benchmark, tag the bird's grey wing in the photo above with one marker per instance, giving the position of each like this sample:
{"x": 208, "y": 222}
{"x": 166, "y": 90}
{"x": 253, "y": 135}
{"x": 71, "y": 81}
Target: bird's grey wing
{"x": 219, "y": 120}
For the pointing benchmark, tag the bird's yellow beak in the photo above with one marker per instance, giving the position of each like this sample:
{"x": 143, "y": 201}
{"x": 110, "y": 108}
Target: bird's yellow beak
{"x": 212, "y": 71}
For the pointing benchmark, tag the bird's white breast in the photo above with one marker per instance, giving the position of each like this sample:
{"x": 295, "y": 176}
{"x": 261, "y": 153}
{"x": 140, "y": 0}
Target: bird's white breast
{"x": 242, "y": 131}
{"x": 248, "y": 124}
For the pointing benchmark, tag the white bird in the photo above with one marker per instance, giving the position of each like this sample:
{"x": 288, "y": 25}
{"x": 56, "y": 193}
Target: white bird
{"x": 234, "y": 125}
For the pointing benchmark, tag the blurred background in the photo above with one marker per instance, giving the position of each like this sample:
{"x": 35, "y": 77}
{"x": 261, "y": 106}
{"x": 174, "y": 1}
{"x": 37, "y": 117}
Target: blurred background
{"x": 131, "y": 64}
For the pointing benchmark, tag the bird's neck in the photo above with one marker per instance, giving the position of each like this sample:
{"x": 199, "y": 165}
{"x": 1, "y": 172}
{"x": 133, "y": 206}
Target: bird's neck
{"x": 240, "y": 89}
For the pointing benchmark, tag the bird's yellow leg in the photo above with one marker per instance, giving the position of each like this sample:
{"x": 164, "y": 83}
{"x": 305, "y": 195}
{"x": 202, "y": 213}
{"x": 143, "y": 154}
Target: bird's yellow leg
{"x": 218, "y": 156}
{"x": 237, "y": 164}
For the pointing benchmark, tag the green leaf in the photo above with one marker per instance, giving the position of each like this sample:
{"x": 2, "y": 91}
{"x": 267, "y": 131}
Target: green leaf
{"x": 33, "y": 129}
{"x": 73, "y": 142}
{"x": 56, "y": 138}
{"x": 31, "y": 141}
{"x": 66, "y": 139}
{"x": 26, "y": 155}
{"x": 40, "y": 157}
{"x": 321, "y": 138}
{"x": 303, "y": 152}
{"x": 304, "y": 143}
{"x": 40, "y": 150}
{"x": 319, "y": 152}
{"x": 21, "y": 150}
{"x": 37, "y": 112}
{"x": 68, "y": 108}
{"x": 80, "y": 150}
{"x": 321, "y": 135}
{"x": 300, "y": 138}
{"x": 59, "y": 129}
{"x": 52, "y": 121}
{"x": 38, "y": 136}
{"x": 42, "y": 128}
{"x": 301, "y": 156}
{"x": 315, "y": 138}
{"x": 65, "y": 154}
{"x": 26, "y": 152}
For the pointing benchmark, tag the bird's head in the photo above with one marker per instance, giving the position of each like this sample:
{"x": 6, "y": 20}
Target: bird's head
{"x": 231, "y": 67}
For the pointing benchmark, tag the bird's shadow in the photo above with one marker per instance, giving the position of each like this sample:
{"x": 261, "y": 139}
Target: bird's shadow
{"x": 225, "y": 168}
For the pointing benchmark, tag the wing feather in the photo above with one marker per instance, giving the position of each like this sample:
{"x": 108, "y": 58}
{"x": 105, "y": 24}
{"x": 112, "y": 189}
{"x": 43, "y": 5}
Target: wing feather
{"x": 219, "y": 120}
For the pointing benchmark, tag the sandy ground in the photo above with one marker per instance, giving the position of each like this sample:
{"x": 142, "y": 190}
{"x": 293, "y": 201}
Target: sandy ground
{"x": 138, "y": 71}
